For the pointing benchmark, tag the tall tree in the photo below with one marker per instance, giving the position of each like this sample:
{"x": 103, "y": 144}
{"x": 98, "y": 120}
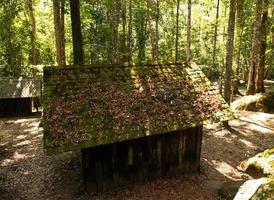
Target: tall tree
{"x": 239, "y": 39}
{"x": 140, "y": 23}
{"x": 59, "y": 30}
{"x": 157, "y": 28}
{"x": 215, "y": 33}
{"x": 77, "y": 42}
{"x": 271, "y": 47}
{"x": 151, "y": 32}
{"x": 33, "y": 31}
{"x": 114, "y": 27}
{"x": 124, "y": 29}
{"x": 129, "y": 39}
{"x": 177, "y": 32}
{"x": 188, "y": 48}
{"x": 261, "y": 66}
{"x": 229, "y": 51}
{"x": 255, "y": 50}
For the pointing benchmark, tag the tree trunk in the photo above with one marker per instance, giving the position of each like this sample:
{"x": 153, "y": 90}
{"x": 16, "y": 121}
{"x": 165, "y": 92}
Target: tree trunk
{"x": 215, "y": 34}
{"x": 129, "y": 43}
{"x": 62, "y": 33}
{"x": 157, "y": 29}
{"x": 261, "y": 67}
{"x": 255, "y": 50}
{"x": 115, "y": 24}
{"x": 270, "y": 67}
{"x": 33, "y": 32}
{"x": 151, "y": 32}
{"x": 221, "y": 79}
{"x": 59, "y": 30}
{"x": 240, "y": 29}
{"x": 229, "y": 51}
{"x": 177, "y": 33}
{"x": 124, "y": 36}
{"x": 78, "y": 52}
{"x": 188, "y": 49}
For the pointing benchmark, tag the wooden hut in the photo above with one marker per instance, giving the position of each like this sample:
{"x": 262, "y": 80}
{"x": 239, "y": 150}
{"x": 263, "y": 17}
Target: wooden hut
{"x": 131, "y": 123}
{"x": 16, "y": 96}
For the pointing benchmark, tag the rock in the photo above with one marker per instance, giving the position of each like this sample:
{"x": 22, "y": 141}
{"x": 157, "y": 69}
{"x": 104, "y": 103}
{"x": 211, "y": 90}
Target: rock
{"x": 261, "y": 165}
{"x": 228, "y": 190}
{"x": 256, "y": 103}
{"x": 259, "y": 189}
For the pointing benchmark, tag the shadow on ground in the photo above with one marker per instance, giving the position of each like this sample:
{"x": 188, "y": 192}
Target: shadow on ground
{"x": 33, "y": 175}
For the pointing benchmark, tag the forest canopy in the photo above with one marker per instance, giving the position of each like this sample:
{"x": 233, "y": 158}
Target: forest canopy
{"x": 39, "y": 32}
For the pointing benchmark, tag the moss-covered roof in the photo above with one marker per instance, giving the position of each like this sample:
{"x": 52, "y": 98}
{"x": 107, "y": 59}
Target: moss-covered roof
{"x": 95, "y": 105}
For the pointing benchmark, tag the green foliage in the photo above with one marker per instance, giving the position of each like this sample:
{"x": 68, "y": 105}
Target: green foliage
{"x": 97, "y": 20}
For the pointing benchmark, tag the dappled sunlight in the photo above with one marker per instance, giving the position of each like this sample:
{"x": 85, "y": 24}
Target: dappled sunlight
{"x": 248, "y": 143}
{"x": 224, "y": 149}
{"x": 18, "y": 137}
{"x": 227, "y": 170}
{"x": 23, "y": 143}
{"x": 256, "y": 117}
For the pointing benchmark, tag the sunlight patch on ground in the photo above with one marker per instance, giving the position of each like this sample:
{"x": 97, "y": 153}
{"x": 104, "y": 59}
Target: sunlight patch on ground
{"x": 256, "y": 117}
{"x": 226, "y": 169}
{"x": 15, "y": 158}
{"x": 224, "y": 135}
{"x": 20, "y": 137}
{"x": 23, "y": 143}
{"x": 248, "y": 143}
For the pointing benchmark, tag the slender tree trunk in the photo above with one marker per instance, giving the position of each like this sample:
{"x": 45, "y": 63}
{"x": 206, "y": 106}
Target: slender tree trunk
{"x": 255, "y": 50}
{"x": 157, "y": 29}
{"x": 33, "y": 32}
{"x": 177, "y": 33}
{"x": 129, "y": 43}
{"x": 261, "y": 67}
{"x": 124, "y": 26}
{"x": 188, "y": 49}
{"x": 240, "y": 29}
{"x": 229, "y": 51}
{"x": 240, "y": 48}
{"x": 268, "y": 72}
{"x": 57, "y": 25}
{"x": 115, "y": 24}
{"x": 151, "y": 32}
{"x": 221, "y": 80}
{"x": 78, "y": 52}
{"x": 215, "y": 34}
{"x": 62, "y": 33}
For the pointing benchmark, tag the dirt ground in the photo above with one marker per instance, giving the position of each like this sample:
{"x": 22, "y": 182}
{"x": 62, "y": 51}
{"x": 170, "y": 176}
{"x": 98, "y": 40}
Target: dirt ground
{"x": 31, "y": 175}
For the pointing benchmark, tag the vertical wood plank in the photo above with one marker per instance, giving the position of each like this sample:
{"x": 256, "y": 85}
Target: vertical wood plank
{"x": 115, "y": 165}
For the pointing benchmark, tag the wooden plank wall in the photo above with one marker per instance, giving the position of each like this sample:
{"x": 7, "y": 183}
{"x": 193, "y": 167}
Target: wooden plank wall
{"x": 115, "y": 165}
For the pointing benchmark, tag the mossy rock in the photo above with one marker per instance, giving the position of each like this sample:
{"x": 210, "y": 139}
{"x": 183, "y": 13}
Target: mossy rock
{"x": 261, "y": 165}
{"x": 259, "y": 189}
{"x": 256, "y": 103}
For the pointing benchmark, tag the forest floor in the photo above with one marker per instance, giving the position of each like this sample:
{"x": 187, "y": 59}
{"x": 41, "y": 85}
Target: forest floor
{"x": 32, "y": 175}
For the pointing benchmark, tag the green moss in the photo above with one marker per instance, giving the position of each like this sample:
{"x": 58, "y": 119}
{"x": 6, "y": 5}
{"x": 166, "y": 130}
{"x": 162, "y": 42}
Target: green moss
{"x": 265, "y": 191}
{"x": 260, "y": 165}
{"x": 95, "y": 106}
{"x": 256, "y": 103}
